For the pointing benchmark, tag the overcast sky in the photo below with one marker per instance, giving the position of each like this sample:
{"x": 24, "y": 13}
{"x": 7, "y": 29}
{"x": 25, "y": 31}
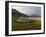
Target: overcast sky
{"x": 29, "y": 10}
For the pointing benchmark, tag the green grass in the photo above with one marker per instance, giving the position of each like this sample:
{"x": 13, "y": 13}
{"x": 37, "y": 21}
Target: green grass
{"x": 36, "y": 25}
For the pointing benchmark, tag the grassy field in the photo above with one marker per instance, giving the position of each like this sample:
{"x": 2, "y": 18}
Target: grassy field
{"x": 35, "y": 25}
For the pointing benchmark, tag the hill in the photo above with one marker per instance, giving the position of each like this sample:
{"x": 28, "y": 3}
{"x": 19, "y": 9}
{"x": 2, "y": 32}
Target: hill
{"x": 17, "y": 13}
{"x": 35, "y": 15}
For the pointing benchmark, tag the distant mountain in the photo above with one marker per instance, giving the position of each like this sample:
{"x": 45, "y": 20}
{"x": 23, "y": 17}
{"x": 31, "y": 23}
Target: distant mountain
{"x": 17, "y": 13}
{"x": 35, "y": 15}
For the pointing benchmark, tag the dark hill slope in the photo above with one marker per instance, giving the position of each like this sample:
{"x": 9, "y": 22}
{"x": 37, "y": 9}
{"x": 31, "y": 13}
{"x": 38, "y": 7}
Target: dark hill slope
{"x": 17, "y": 13}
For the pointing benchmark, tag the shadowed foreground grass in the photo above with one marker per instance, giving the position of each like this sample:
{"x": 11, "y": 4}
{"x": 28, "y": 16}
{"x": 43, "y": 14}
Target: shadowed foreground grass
{"x": 35, "y": 25}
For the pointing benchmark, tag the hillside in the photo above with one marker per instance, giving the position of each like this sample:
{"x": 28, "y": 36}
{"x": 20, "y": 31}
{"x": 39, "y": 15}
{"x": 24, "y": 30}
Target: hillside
{"x": 17, "y": 13}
